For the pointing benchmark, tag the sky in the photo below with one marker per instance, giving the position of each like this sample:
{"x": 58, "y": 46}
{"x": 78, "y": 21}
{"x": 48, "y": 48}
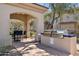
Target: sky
{"x": 44, "y": 4}
{"x": 47, "y": 4}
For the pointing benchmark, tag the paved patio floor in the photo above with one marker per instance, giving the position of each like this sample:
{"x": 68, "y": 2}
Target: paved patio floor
{"x": 28, "y": 47}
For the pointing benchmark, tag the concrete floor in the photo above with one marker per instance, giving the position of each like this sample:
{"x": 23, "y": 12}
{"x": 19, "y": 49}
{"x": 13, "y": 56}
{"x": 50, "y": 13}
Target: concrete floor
{"x": 77, "y": 53}
{"x": 27, "y": 47}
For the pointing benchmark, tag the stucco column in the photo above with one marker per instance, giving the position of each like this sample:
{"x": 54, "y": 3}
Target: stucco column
{"x": 39, "y": 27}
{"x": 28, "y": 27}
{"x": 5, "y": 38}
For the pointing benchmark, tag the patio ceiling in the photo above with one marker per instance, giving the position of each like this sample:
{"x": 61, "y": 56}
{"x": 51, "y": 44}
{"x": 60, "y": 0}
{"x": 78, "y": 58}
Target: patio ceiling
{"x": 20, "y": 16}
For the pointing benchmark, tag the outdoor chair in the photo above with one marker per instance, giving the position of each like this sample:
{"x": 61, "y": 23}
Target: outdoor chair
{"x": 17, "y": 35}
{"x": 24, "y": 33}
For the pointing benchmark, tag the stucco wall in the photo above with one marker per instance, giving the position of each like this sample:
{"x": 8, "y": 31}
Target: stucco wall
{"x": 5, "y": 11}
{"x": 63, "y": 44}
{"x": 4, "y": 27}
{"x": 68, "y": 18}
{"x": 68, "y": 26}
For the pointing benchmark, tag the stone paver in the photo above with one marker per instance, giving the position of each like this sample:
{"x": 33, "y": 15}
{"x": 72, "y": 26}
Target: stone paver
{"x": 77, "y": 53}
{"x": 30, "y": 48}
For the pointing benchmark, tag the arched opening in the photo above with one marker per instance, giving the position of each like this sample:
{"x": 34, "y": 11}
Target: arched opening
{"x": 22, "y": 22}
{"x": 16, "y": 24}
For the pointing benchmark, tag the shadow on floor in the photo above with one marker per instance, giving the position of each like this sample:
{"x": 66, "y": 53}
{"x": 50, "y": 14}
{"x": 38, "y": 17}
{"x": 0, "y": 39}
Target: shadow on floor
{"x": 52, "y": 51}
{"x": 37, "y": 49}
{"x": 32, "y": 48}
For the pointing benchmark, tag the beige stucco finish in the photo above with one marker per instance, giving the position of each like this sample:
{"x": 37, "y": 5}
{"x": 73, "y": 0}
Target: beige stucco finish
{"x": 64, "y": 44}
{"x": 5, "y": 11}
{"x": 69, "y": 26}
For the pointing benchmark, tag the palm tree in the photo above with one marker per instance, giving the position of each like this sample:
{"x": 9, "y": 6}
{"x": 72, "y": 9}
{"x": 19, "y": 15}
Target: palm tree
{"x": 57, "y": 11}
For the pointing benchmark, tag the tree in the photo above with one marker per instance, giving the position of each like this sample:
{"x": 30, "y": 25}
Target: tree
{"x": 57, "y": 11}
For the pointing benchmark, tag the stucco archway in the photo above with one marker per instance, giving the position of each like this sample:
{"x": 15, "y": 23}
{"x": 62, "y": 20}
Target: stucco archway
{"x": 26, "y": 18}
{"x": 8, "y": 9}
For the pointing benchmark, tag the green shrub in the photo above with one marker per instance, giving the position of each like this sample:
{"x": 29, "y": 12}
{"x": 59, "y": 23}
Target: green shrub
{"x": 32, "y": 33}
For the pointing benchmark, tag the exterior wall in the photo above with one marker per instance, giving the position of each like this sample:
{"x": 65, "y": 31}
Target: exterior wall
{"x": 5, "y": 38}
{"x": 67, "y": 18}
{"x": 5, "y": 11}
{"x": 68, "y": 26}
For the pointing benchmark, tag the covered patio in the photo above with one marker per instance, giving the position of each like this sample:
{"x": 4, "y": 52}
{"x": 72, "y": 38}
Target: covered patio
{"x": 28, "y": 46}
{"x": 25, "y": 28}
{"x": 24, "y": 13}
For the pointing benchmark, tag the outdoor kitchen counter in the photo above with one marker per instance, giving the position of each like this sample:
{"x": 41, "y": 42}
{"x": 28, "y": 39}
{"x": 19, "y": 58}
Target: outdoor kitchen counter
{"x": 66, "y": 44}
